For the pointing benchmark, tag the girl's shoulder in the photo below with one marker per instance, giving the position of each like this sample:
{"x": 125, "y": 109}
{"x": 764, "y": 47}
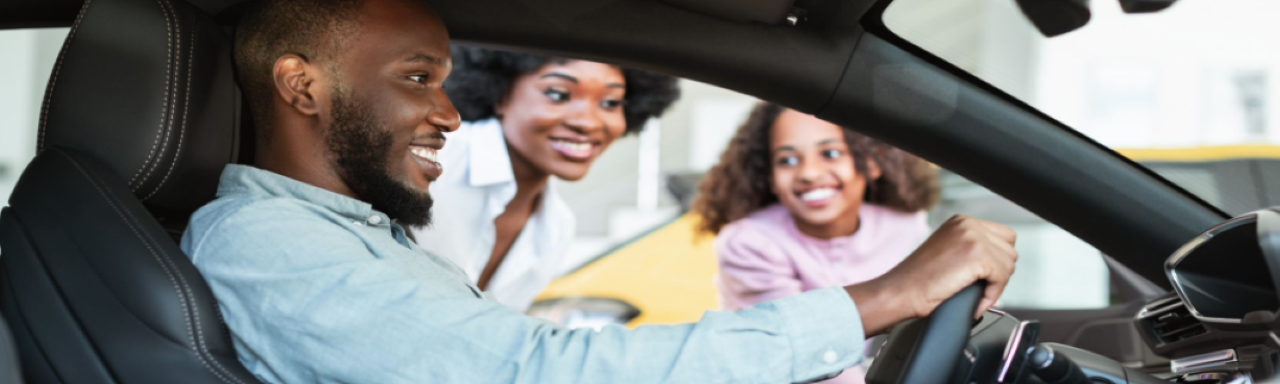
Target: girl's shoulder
{"x": 881, "y": 216}
{"x": 771, "y": 220}
{"x": 761, "y": 235}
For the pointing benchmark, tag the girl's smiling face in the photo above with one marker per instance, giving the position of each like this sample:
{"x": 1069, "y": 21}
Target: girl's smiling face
{"x": 814, "y": 175}
{"x": 559, "y": 119}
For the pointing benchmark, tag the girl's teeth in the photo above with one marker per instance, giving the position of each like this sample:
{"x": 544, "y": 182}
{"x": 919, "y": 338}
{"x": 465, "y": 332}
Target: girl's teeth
{"x": 818, "y": 194}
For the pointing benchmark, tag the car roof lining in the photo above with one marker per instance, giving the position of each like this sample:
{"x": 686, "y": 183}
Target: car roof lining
{"x": 1124, "y": 210}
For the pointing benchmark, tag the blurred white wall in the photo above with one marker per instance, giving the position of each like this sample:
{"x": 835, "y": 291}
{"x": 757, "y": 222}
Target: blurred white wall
{"x": 1187, "y": 76}
{"x": 28, "y": 60}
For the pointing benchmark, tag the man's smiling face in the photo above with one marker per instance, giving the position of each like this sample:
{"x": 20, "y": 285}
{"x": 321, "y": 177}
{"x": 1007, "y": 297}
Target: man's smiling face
{"x": 387, "y": 109}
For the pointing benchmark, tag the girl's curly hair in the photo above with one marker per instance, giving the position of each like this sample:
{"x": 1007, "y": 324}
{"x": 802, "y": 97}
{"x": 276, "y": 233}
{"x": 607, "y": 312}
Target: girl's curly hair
{"x": 739, "y": 184}
{"x": 481, "y": 77}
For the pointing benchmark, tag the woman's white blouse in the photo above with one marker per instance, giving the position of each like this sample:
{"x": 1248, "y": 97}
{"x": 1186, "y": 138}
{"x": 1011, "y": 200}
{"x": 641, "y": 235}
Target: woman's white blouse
{"x": 474, "y": 189}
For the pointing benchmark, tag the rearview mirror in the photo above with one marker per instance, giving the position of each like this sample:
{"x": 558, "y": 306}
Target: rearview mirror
{"x": 1056, "y": 17}
{"x": 1145, "y": 6}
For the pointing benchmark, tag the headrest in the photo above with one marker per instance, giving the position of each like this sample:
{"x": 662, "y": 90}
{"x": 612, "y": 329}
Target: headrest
{"x": 146, "y": 87}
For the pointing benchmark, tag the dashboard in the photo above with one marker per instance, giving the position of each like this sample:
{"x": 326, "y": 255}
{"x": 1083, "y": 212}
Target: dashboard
{"x": 1219, "y": 325}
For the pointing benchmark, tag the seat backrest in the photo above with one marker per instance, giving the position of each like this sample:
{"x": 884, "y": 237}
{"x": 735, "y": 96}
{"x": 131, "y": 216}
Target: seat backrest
{"x": 10, "y": 373}
{"x": 138, "y": 122}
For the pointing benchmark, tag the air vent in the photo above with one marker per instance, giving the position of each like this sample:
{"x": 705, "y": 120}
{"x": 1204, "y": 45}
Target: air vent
{"x": 1170, "y": 322}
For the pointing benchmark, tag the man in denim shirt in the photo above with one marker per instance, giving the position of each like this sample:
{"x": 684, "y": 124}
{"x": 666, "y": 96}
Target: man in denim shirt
{"x": 307, "y": 254}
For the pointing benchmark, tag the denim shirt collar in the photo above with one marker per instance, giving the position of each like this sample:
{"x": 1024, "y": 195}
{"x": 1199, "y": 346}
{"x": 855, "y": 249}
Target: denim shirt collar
{"x": 246, "y": 180}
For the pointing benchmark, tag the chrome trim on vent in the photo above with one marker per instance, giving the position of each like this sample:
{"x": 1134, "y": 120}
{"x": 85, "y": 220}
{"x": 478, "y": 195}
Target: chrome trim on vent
{"x": 1159, "y": 307}
{"x": 1210, "y": 359}
{"x": 1216, "y": 377}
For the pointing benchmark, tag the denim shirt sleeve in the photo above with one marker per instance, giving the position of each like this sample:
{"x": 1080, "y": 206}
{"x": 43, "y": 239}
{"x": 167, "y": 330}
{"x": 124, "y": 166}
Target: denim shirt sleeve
{"x": 308, "y": 301}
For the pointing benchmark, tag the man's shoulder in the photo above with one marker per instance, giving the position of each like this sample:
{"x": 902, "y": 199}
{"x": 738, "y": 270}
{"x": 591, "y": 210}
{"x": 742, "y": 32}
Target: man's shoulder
{"x": 251, "y": 206}
{"x": 239, "y": 213}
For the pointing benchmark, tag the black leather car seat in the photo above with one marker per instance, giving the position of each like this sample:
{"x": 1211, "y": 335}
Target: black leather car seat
{"x": 140, "y": 117}
{"x": 10, "y": 373}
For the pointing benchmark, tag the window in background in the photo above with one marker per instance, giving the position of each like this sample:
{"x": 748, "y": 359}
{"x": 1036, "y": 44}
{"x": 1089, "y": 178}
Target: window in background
{"x": 1190, "y": 84}
{"x": 29, "y": 55}
{"x": 1055, "y": 270}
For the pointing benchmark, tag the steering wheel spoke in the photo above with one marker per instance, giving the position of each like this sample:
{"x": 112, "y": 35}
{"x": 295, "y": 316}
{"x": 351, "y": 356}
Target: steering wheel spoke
{"x": 927, "y": 350}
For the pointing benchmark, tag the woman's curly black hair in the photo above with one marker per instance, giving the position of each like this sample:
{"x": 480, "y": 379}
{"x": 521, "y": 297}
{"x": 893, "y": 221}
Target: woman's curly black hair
{"x": 739, "y": 184}
{"x": 481, "y": 77}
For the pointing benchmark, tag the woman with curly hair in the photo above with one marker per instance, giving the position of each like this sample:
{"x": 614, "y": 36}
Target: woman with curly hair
{"x": 527, "y": 118}
{"x": 798, "y": 203}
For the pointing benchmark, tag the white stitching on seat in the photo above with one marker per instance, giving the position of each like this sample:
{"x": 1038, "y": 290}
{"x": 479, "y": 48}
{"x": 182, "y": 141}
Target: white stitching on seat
{"x": 182, "y": 302}
{"x": 53, "y": 80}
{"x": 172, "y": 106}
{"x": 164, "y": 109}
{"x": 183, "y": 294}
{"x": 182, "y": 133}
{"x": 201, "y": 349}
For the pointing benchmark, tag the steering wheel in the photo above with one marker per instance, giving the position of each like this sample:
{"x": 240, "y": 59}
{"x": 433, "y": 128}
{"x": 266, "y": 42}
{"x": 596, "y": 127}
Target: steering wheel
{"x": 927, "y": 350}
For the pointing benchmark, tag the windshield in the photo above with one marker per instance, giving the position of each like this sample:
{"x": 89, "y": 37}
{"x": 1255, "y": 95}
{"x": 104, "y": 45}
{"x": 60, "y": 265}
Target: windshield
{"x": 1187, "y": 92}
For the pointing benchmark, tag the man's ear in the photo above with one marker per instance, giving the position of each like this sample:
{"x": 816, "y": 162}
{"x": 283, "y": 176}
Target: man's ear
{"x": 294, "y": 78}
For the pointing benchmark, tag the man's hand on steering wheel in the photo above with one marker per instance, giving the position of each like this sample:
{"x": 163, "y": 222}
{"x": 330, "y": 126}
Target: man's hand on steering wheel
{"x": 962, "y": 251}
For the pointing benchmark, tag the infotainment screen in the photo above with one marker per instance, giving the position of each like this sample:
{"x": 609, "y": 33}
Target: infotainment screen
{"x": 1227, "y": 276}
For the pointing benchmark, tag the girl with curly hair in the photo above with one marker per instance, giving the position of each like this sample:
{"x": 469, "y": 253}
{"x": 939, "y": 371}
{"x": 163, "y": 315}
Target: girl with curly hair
{"x": 798, "y": 203}
{"x": 527, "y": 118}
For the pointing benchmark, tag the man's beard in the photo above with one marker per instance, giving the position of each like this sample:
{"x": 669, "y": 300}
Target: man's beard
{"x": 359, "y": 143}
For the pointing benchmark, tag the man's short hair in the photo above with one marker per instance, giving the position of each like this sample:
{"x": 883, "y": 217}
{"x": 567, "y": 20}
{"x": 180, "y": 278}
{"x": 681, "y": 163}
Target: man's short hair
{"x": 314, "y": 29}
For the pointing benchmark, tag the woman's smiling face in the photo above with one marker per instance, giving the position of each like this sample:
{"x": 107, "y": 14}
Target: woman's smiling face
{"x": 560, "y": 118}
{"x": 814, "y": 174}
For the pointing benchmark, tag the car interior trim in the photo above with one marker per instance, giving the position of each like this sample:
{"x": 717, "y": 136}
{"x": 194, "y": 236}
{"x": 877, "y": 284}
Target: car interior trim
{"x": 1203, "y": 360}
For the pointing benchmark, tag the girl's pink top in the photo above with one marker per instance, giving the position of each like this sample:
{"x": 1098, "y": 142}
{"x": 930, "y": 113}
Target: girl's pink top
{"x": 765, "y": 257}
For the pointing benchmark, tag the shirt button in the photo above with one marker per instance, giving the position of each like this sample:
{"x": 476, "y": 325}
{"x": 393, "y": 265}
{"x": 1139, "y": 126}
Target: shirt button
{"x": 830, "y": 357}
{"x": 375, "y": 220}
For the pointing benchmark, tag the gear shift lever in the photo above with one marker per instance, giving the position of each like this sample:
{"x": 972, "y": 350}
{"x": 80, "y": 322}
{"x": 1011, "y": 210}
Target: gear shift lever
{"x": 1053, "y": 368}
